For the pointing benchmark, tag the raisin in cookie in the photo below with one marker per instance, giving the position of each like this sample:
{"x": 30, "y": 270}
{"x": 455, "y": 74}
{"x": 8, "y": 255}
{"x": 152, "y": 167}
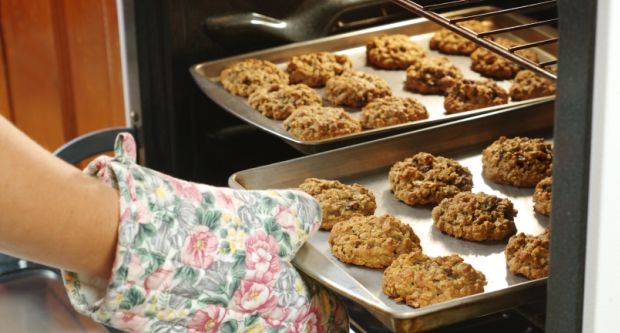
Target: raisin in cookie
{"x": 355, "y": 89}
{"x": 372, "y": 241}
{"x": 490, "y": 64}
{"x": 527, "y": 85}
{"x": 528, "y": 255}
{"x": 542, "y": 197}
{"x": 432, "y": 76}
{"x": 446, "y": 41}
{"x": 393, "y": 52}
{"x": 314, "y": 69}
{"x": 420, "y": 280}
{"x": 245, "y": 77}
{"x": 475, "y": 217}
{"x": 339, "y": 202}
{"x": 391, "y": 110}
{"x": 425, "y": 179}
{"x": 315, "y": 122}
{"x": 519, "y": 161}
{"x": 280, "y": 100}
{"x": 468, "y": 95}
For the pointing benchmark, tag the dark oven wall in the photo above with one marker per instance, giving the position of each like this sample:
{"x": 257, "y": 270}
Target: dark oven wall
{"x": 184, "y": 133}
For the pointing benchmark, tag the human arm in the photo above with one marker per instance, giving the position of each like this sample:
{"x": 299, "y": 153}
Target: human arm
{"x": 51, "y": 212}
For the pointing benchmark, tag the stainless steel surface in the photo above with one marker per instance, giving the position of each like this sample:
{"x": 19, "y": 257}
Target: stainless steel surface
{"x": 545, "y": 67}
{"x": 353, "y": 44}
{"x": 34, "y": 301}
{"x": 368, "y": 164}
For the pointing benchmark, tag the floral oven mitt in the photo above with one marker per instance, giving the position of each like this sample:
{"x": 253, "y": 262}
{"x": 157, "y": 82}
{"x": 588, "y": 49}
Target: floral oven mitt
{"x": 197, "y": 258}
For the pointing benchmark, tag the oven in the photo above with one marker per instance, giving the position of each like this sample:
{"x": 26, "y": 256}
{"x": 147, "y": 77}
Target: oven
{"x": 189, "y": 136}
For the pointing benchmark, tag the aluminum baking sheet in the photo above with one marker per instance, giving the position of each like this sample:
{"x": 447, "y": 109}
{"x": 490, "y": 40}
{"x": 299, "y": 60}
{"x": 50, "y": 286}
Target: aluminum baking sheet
{"x": 368, "y": 164}
{"x": 353, "y": 45}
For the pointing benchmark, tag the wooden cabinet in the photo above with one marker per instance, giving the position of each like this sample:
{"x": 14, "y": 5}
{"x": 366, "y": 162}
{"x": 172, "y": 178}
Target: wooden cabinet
{"x": 60, "y": 71}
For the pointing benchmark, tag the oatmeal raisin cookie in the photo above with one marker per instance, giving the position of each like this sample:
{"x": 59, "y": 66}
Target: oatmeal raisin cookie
{"x": 475, "y": 217}
{"x": 372, "y": 241}
{"x": 519, "y": 161}
{"x": 355, "y": 89}
{"x": 314, "y": 69}
{"x": 315, "y": 122}
{"x": 542, "y": 197}
{"x": 528, "y": 85}
{"x": 339, "y": 202}
{"x": 446, "y": 41}
{"x": 245, "y": 77}
{"x": 393, "y": 52}
{"x": 425, "y": 179}
{"x": 490, "y": 64}
{"x": 467, "y": 95}
{"x": 392, "y": 110}
{"x": 420, "y": 280}
{"x": 279, "y": 100}
{"x": 432, "y": 76}
{"x": 528, "y": 255}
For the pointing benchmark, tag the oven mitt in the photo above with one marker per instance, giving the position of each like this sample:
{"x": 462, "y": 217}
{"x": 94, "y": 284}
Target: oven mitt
{"x": 197, "y": 258}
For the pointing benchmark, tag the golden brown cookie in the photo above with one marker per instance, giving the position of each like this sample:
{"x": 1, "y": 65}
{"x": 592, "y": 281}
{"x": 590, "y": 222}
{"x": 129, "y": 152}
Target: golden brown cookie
{"x": 355, "y": 89}
{"x": 446, "y": 41}
{"x": 490, "y": 64}
{"x": 432, "y": 76}
{"x": 542, "y": 197}
{"x": 314, "y": 69}
{"x": 519, "y": 161}
{"x": 425, "y": 179}
{"x": 420, "y": 280}
{"x": 528, "y": 85}
{"x": 391, "y": 110}
{"x": 467, "y": 95}
{"x": 245, "y": 77}
{"x": 475, "y": 217}
{"x": 315, "y": 122}
{"x": 339, "y": 202}
{"x": 528, "y": 255}
{"x": 279, "y": 100}
{"x": 393, "y": 52}
{"x": 372, "y": 241}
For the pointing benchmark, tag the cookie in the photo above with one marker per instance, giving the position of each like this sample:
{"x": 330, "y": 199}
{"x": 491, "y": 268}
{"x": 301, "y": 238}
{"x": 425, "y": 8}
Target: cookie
{"x": 468, "y": 95}
{"x": 372, "y": 241}
{"x": 490, "y": 64}
{"x": 339, "y": 202}
{"x": 314, "y": 69}
{"x": 391, "y": 110}
{"x": 280, "y": 100}
{"x": 355, "y": 89}
{"x": 542, "y": 197}
{"x": 393, "y": 52}
{"x": 528, "y": 255}
{"x": 315, "y": 122}
{"x": 432, "y": 76}
{"x": 475, "y": 217}
{"x": 527, "y": 85}
{"x": 519, "y": 161}
{"x": 446, "y": 41}
{"x": 245, "y": 77}
{"x": 420, "y": 280}
{"x": 425, "y": 179}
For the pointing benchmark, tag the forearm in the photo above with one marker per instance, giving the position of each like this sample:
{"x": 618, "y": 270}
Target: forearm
{"x": 51, "y": 212}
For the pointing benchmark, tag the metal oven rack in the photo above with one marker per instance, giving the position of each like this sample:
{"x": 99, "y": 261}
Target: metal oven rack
{"x": 430, "y": 10}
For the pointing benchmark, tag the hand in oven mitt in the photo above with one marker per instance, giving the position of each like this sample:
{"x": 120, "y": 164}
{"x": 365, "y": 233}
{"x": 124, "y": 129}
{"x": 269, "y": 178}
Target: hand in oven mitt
{"x": 197, "y": 258}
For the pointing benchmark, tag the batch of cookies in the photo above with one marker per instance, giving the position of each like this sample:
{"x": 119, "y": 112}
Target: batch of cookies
{"x": 290, "y": 95}
{"x": 358, "y": 237}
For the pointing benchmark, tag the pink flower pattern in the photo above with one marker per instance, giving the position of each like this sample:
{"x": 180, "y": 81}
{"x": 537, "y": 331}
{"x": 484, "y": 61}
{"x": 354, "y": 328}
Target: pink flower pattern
{"x": 262, "y": 257}
{"x": 175, "y": 271}
{"x": 207, "y": 320}
{"x": 200, "y": 246}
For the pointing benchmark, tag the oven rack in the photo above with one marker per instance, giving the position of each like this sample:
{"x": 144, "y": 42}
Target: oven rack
{"x": 430, "y": 10}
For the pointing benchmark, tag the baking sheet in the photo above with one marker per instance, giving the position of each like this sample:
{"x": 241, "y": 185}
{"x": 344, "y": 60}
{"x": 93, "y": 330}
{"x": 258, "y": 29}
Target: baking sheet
{"x": 353, "y": 45}
{"x": 368, "y": 164}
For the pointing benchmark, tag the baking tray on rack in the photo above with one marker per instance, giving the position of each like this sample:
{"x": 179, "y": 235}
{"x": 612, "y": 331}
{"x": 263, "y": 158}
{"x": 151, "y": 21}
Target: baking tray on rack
{"x": 368, "y": 164}
{"x": 353, "y": 44}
